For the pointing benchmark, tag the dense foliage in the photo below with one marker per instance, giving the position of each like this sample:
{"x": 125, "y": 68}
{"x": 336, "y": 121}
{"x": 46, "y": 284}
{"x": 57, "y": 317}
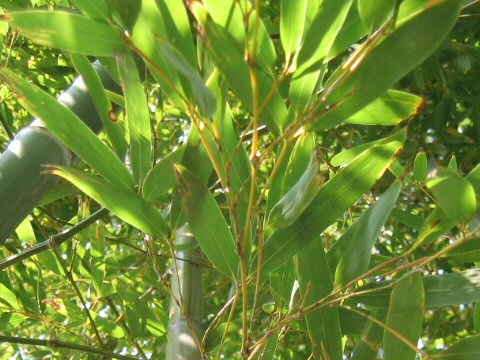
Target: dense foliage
{"x": 308, "y": 167}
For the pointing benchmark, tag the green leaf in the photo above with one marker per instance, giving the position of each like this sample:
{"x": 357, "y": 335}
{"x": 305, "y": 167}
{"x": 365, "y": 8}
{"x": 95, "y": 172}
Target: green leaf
{"x": 67, "y": 31}
{"x": 355, "y": 246}
{"x": 372, "y": 338}
{"x": 292, "y": 24}
{"x": 324, "y": 324}
{"x": 126, "y": 12}
{"x": 321, "y": 34}
{"x": 70, "y": 130}
{"x": 202, "y": 95}
{"x": 94, "y": 9}
{"x": 10, "y": 321}
{"x": 440, "y": 290}
{"x": 380, "y": 63}
{"x": 102, "y": 103}
{"x": 291, "y": 206}
{"x": 466, "y": 349}
{"x": 349, "y": 155}
{"x": 207, "y": 222}
{"x": 121, "y": 201}
{"x": 8, "y": 298}
{"x": 138, "y": 117}
{"x": 405, "y": 316}
{"x": 333, "y": 199}
{"x": 420, "y": 166}
{"x": 391, "y": 109}
{"x": 161, "y": 177}
{"x": 375, "y": 12}
{"x": 454, "y": 194}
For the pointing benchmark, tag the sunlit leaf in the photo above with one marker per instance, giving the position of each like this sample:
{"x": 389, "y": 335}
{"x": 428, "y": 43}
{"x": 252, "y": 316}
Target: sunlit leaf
{"x": 420, "y": 166}
{"x": 70, "y": 130}
{"x": 95, "y": 9}
{"x": 292, "y": 23}
{"x": 67, "y": 31}
{"x": 375, "y": 12}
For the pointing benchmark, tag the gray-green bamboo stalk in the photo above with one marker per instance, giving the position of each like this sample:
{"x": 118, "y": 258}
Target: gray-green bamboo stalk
{"x": 184, "y": 330}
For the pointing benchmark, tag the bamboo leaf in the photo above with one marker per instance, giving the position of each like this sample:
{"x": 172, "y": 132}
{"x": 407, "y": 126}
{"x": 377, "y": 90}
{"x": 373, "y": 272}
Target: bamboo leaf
{"x": 466, "y": 349}
{"x": 375, "y": 12}
{"x": 121, "y": 201}
{"x": 355, "y": 246}
{"x": 372, "y": 338}
{"x": 161, "y": 177}
{"x": 420, "y": 166}
{"x": 292, "y": 24}
{"x": 291, "y": 206}
{"x": 379, "y": 64}
{"x": 316, "y": 282}
{"x": 138, "y": 117}
{"x": 70, "y": 130}
{"x": 349, "y": 155}
{"x": 94, "y": 9}
{"x": 391, "y": 109}
{"x": 405, "y": 316}
{"x": 126, "y": 12}
{"x": 102, "y": 103}
{"x": 202, "y": 95}
{"x": 67, "y": 31}
{"x": 454, "y": 194}
{"x": 332, "y": 201}
{"x": 207, "y": 222}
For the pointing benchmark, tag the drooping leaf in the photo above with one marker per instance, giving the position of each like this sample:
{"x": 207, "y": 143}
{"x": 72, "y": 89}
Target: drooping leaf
{"x": 202, "y": 95}
{"x": 207, "y": 222}
{"x": 102, "y": 103}
{"x": 70, "y": 130}
{"x": 405, "y": 316}
{"x": 67, "y": 31}
{"x": 391, "y": 109}
{"x": 355, "y": 246}
{"x": 375, "y": 12}
{"x": 316, "y": 282}
{"x": 332, "y": 201}
{"x": 420, "y": 166}
{"x": 121, "y": 201}
{"x": 380, "y": 63}
{"x": 454, "y": 194}
{"x": 138, "y": 117}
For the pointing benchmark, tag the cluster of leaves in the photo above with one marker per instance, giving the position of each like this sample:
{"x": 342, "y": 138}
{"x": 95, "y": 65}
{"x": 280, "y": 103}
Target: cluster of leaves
{"x": 275, "y": 132}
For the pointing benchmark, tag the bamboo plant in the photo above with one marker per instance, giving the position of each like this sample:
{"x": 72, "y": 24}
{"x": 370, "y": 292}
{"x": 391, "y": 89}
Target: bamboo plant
{"x": 300, "y": 229}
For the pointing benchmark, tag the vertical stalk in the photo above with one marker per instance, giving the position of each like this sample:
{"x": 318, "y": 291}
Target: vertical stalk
{"x": 184, "y": 330}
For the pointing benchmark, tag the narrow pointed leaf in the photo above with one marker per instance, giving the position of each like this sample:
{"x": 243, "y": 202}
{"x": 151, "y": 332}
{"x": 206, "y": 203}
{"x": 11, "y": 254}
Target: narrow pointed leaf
{"x": 207, "y": 222}
{"x": 349, "y": 155}
{"x": 376, "y": 67}
{"x": 67, "y": 31}
{"x": 125, "y": 12}
{"x": 405, "y": 316}
{"x": 355, "y": 246}
{"x": 70, "y": 130}
{"x": 316, "y": 281}
{"x": 138, "y": 117}
{"x": 333, "y": 199}
{"x": 102, "y": 103}
{"x": 375, "y": 12}
{"x": 391, "y": 109}
{"x": 202, "y": 95}
{"x": 465, "y": 349}
{"x": 94, "y": 9}
{"x": 121, "y": 201}
{"x": 292, "y": 24}
{"x": 372, "y": 338}
{"x": 291, "y": 206}
{"x": 454, "y": 194}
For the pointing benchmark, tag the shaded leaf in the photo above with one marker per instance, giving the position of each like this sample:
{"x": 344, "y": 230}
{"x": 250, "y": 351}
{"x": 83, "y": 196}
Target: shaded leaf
{"x": 405, "y": 315}
{"x": 372, "y": 338}
{"x": 121, "y": 201}
{"x": 207, "y": 222}
{"x": 94, "y": 9}
{"x": 465, "y": 349}
{"x": 138, "y": 117}
{"x": 67, "y": 31}
{"x": 355, "y": 246}
{"x": 70, "y": 130}
{"x": 126, "y": 12}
